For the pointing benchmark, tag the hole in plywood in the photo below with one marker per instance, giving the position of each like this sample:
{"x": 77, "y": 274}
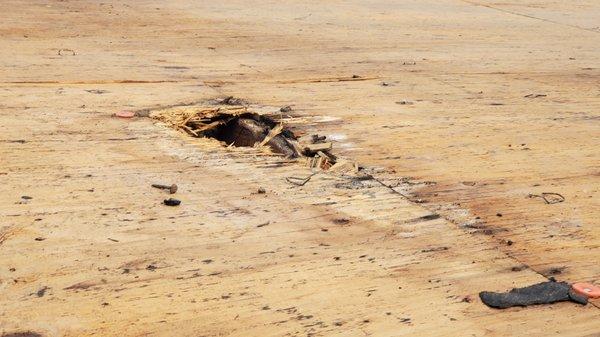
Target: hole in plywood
{"x": 236, "y": 124}
{"x": 250, "y": 129}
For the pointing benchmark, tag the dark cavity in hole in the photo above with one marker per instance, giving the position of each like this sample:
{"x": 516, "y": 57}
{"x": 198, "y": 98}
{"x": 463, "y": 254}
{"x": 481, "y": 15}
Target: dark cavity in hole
{"x": 246, "y": 130}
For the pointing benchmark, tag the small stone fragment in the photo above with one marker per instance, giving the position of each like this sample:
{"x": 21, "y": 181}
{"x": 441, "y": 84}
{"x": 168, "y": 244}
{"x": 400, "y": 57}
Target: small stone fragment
{"x": 172, "y": 202}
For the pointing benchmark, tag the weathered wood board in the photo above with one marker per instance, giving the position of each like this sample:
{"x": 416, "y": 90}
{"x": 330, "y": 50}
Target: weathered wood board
{"x": 459, "y": 108}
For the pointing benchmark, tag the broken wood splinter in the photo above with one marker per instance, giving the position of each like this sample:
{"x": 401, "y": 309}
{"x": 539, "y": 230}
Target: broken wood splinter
{"x": 172, "y": 188}
{"x": 301, "y": 181}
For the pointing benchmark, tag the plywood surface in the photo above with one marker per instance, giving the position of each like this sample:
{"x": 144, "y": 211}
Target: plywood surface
{"x": 437, "y": 112}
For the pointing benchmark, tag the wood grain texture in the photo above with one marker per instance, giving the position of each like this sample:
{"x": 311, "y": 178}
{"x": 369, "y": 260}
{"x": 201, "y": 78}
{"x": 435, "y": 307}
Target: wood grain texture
{"x": 459, "y": 108}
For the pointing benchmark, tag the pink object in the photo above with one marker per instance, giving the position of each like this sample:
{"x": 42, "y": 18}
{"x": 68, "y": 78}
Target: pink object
{"x": 587, "y": 289}
{"x": 125, "y": 114}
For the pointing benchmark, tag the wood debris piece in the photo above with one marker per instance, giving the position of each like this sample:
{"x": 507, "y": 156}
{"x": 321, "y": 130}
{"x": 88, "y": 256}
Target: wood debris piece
{"x": 299, "y": 181}
{"x": 272, "y": 133}
{"x": 318, "y": 139}
{"x": 342, "y": 165}
{"x": 189, "y": 130}
{"x": 209, "y": 126}
{"x": 312, "y": 149}
{"x": 326, "y": 155}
